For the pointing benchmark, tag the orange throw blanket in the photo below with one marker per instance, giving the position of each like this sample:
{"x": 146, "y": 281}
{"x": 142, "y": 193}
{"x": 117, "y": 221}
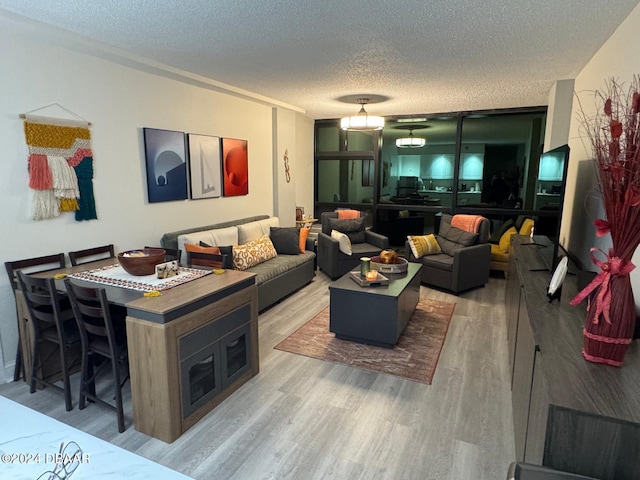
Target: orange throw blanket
{"x": 348, "y": 213}
{"x": 468, "y": 223}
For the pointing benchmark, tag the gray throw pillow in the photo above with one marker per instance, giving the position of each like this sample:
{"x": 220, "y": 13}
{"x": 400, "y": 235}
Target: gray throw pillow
{"x": 352, "y": 227}
{"x": 457, "y": 235}
{"x": 447, "y": 246}
{"x": 286, "y": 240}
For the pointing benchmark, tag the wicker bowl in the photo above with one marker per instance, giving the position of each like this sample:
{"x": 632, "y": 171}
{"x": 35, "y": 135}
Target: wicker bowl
{"x": 141, "y": 262}
{"x": 400, "y": 266}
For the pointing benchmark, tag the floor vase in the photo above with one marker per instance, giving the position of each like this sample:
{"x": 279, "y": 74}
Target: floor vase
{"x": 606, "y": 339}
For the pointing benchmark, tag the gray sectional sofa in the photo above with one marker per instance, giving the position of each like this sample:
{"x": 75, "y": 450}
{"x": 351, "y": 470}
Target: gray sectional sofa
{"x": 276, "y": 278}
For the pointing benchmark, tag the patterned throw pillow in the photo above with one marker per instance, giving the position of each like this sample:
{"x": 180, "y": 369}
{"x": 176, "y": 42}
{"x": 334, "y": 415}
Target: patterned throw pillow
{"x": 344, "y": 244}
{"x": 422, "y": 245}
{"x": 252, "y": 253}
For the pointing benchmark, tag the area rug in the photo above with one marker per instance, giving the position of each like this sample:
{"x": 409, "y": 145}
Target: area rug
{"x": 414, "y": 357}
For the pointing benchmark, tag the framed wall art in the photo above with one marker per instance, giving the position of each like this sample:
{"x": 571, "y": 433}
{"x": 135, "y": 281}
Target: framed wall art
{"x": 205, "y": 175}
{"x": 235, "y": 167}
{"x": 166, "y": 163}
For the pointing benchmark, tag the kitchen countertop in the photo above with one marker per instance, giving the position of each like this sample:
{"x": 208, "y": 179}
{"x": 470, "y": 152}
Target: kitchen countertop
{"x": 30, "y": 442}
{"x": 444, "y": 191}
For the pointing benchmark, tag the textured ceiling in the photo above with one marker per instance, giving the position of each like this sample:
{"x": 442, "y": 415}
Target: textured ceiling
{"x": 424, "y": 56}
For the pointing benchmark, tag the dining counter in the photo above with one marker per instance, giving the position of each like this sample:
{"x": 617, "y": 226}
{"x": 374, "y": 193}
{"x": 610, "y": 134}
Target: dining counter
{"x": 211, "y": 321}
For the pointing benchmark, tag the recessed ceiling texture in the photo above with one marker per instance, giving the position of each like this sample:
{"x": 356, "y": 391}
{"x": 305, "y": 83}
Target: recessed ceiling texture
{"x": 418, "y": 56}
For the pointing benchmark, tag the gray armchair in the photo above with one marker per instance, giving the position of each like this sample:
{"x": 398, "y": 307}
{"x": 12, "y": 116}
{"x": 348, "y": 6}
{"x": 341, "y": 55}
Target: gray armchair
{"x": 464, "y": 261}
{"x": 335, "y": 263}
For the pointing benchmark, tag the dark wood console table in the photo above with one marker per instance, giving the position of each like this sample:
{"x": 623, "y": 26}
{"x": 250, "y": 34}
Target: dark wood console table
{"x": 568, "y": 413}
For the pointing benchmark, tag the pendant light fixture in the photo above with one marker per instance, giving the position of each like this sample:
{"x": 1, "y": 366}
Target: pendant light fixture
{"x": 410, "y": 141}
{"x": 362, "y": 122}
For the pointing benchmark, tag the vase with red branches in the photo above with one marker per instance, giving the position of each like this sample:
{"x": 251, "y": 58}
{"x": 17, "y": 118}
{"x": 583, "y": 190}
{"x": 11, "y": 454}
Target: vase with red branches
{"x": 614, "y": 133}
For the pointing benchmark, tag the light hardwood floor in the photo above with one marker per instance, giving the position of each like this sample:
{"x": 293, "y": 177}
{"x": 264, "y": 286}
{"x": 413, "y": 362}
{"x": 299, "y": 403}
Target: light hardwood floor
{"x": 302, "y": 418}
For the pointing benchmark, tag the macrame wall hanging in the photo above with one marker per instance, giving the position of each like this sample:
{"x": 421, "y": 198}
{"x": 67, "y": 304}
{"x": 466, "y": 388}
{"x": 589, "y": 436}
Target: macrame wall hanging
{"x": 60, "y": 165}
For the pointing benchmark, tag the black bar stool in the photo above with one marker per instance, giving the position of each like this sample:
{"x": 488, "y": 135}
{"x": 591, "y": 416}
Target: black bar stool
{"x": 170, "y": 254}
{"x": 52, "y": 320}
{"x": 37, "y": 264}
{"x": 100, "y": 337}
{"x": 204, "y": 259}
{"x": 106, "y": 251}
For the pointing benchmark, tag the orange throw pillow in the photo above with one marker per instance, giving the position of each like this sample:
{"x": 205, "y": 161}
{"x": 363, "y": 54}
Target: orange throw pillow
{"x": 190, "y": 247}
{"x": 348, "y": 214}
{"x": 468, "y": 223}
{"x": 304, "y": 234}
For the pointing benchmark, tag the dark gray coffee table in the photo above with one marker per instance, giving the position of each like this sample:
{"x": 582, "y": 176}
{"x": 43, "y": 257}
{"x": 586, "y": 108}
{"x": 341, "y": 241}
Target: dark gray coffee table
{"x": 375, "y": 315}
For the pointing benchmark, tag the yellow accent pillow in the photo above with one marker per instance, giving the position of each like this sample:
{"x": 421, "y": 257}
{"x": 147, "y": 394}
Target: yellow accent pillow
{"x": 498, "y": 255}
{"x": 505, "y": 239}
{"x": 252, "y": 253}
{"x": 526, "y": 227}
{"x": 422, "y": 245}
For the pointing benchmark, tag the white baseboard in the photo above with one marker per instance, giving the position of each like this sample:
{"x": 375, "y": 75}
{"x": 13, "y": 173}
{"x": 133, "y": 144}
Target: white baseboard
{"x": 6, "y": 373}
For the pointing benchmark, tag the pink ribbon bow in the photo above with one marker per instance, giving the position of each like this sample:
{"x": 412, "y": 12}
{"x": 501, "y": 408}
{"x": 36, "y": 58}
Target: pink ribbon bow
{"x": 613, "y": 266}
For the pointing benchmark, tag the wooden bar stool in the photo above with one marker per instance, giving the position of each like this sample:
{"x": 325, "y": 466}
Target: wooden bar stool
{"x": 37, "y": 264}
{"x": 204, "y": 259}
{"x": 170, "y": 253}
{"x": 100, "y": 337}
{"x": 106, "y": 251}
{"x": 53, "y": 324}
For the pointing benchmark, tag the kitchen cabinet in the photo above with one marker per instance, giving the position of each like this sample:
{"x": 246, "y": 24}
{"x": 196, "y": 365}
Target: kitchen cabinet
{"x": 547, "y": 200}
{"x": 440, "y": 167}
{"x": 551, "y": 168}
{"x": 190, "y": 349}
{"x": 409, "y": 165}
{"x": 471, "y": 166}
{"x": 468, "y": 198}
{"x": 212, "y": 357}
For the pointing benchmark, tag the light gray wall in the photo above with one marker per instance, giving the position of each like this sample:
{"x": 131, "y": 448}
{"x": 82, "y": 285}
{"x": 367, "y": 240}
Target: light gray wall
{"x": 40, "y": 69}
{"x": 614, "y": 59}
{"x": 559, "y": 114}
